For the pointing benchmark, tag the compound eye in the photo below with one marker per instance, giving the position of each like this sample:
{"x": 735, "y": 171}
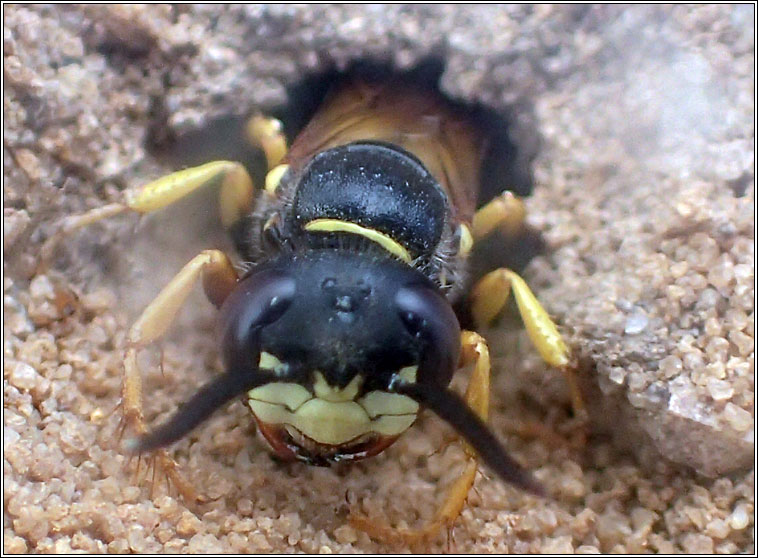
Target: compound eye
{"x": 258, "y": 300}
{"x": 430, "y": 319}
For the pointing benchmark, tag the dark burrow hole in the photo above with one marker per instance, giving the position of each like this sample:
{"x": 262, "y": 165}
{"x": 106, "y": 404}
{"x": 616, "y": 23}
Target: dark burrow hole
{"x": 506, "y": 165}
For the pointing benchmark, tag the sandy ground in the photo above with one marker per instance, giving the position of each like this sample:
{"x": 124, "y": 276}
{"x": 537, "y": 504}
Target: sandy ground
{"x": 641, "y": 123}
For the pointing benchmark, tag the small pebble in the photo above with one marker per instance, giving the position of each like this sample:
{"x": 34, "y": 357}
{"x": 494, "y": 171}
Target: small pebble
{"x": 24, "y": 376}
{"x": 345, "y": 534}
{"x": 636, "y": 323}
{"x": 719, "y": 390}
{"x": 670, "y": 366}
{"x": 739, "y": 519}
{"x": 696, "y": 543}
{"x": 740, "y": 419}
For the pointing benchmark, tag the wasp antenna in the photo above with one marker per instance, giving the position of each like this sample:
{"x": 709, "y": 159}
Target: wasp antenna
{"x": 451, "y": 408}
{"x": 211, "y": 397}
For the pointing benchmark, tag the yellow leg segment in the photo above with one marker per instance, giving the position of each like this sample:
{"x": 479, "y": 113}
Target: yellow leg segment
{"x": 236, "y": 196}
{"x": 488, "y": 297}
{"x": 73, "y": 223}
{"x": 473, "y": 349}
{"x": 219, "y": 277}
{"x": 505, "y": 211}
{"x": 235, "y": 199}
{"x": 267, "y": 133}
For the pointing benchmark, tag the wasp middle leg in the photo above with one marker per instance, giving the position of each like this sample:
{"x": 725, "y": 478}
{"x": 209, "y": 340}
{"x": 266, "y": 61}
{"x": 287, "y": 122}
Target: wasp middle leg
{"x": 236, "y": 198}
{"x": 490, "y": 294}
{"x": 219, "y": 278}
{"x": 506, "y": 212}
{"x": 488, "y": 298}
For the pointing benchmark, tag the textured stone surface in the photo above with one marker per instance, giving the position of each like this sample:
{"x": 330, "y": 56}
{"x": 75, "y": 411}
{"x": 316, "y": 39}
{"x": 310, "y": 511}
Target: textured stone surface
{"x": 645, "y": 193}
{"x": 661, "y": 292}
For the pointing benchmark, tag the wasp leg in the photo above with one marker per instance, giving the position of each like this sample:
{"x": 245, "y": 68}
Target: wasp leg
{"x": 506, "y": 212}
{"x": 473, "y": 349}
{"x": 267, "y": 133}
{"x": 236, "y": 198}
{"x": 219, "y": 277}
{"x": 73, "y": 223}
{"x": 236, "y": 195}
{"x": 488, "y": 298}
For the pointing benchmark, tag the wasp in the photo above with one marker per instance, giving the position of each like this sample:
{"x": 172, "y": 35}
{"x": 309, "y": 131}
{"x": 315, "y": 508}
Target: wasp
{"x": 341, "y": 325}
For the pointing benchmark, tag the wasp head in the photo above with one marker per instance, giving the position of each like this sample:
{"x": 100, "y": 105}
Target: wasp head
{"x": 335, "y": 352}
{"x": 355, "y": 326}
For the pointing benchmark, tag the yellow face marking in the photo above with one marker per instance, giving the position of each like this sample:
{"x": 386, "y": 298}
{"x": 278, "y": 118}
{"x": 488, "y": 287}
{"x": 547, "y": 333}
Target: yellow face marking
{"x": 408, "y": 374}
{"x": 379, "y": 403}
{"x": 335, "y": 225}
{"x": 332, "y": 416}
{"x": 267, "y": 361}
{"x": 393, "y": 425}
{"x": 327, "y": 392}
{"x": 290, "y": 395}
{"x": 331, "y": 423}
{"x": 336, "y": 422}
{"x": 466, "y": 242}
{"x": 274, "y": 177}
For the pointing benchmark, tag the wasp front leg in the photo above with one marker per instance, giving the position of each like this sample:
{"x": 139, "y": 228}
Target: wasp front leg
{"x": 507, "y": 213}
{"x": 473, "y": 350}
{"x": 219, "y": 278}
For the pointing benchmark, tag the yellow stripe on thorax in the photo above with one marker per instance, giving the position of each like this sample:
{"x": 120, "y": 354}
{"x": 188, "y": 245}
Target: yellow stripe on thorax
{"x": 336, "y": 225}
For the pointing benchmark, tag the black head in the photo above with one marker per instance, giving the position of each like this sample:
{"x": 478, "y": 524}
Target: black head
{"x": 351, "y": 314}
